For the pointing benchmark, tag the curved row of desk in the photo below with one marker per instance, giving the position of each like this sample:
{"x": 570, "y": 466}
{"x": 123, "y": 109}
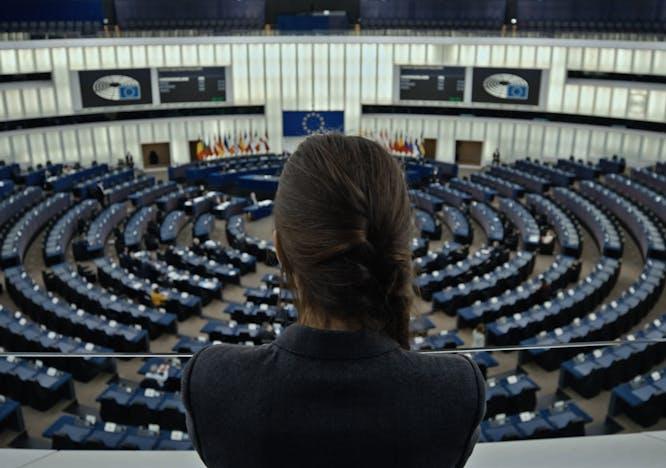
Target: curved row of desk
{"x": 62, "y": 231}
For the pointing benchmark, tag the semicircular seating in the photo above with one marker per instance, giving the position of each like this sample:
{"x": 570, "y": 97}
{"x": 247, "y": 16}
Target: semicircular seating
{"x": 22, "y": 233}
{"x": 118, "y": 279}
{"x": 143, "y": 265}
{"x": 555, "y": 175}
{"x": 101, "y": 227}
{"x": 607, "y": 323}
{"x": 529, "y": 181}
{"x": 478, "y": 192}
{"x": 523, "y": 220}
{"x": 88, "y": 296}
{"x": 489, "y": 220}
{"x": 458, "y": 224}
{"x": 506, "y": 275}
{"x": 425, "y": 201}
{"x": 567, "y": 233}
{"x": 428, "y": 225}
{"x": 151, "y": 193}
{"x": 650, "y": 178}
{"x": 61, "y": 232}
{"x": 448, "y": 194}
{"x": 137, "y": 226}
{"x": 18, "y": 202}
{"x": 561, "y": 272}
{"x": 643, "y": 196}
{"x": 501, "y": 186}
{"x": 203, "y": 226}
{"x": 644, "y": 231}
{"x": 600, "y": 226}
{"x": 479, "y": 263}
{"x": 173, "y": 223}
{"x": 20, "y": 333}
{"x": 560, "y": 309}
{"x": 175, "y": 200}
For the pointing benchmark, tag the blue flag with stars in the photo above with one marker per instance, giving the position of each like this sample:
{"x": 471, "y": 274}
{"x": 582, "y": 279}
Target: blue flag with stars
{"x": 304, "y": 123}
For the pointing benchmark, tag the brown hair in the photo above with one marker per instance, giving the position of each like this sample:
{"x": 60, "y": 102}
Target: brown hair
{"x": 343, "y": 226}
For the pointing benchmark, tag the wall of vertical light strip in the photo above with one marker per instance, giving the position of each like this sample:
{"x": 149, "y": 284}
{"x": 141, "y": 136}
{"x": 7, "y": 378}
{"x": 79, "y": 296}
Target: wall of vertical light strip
{"x": 336, "y": 73}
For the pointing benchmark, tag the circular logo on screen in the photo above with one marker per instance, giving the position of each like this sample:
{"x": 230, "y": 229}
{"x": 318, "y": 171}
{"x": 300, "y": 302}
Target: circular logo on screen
{"x": 117, "y": 88}
{"x": 313, "y": 122}
{"x": 506, "y": 86}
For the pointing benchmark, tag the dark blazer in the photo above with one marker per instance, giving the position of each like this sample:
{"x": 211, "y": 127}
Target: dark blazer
{"x": 318, "y": 398}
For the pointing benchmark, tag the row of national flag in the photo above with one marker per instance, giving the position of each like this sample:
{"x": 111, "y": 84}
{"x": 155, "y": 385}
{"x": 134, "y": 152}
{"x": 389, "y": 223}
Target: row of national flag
{"x": 398, "y": 142}
{"x": 240, "y": 143}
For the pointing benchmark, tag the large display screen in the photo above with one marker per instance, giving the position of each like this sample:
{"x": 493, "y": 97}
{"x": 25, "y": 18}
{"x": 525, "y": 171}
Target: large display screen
{"x": 506, "y": 85}
{"x": 432, "y": 83}
{"x": 200, "y": 84}
{"x": 124, "y": 87}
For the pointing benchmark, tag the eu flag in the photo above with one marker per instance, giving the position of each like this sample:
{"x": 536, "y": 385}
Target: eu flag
{"x": 303, "y": 123}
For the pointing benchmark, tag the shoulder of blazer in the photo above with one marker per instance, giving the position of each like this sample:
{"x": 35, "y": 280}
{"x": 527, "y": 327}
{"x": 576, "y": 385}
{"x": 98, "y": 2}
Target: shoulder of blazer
{"x": 473, "y": 431}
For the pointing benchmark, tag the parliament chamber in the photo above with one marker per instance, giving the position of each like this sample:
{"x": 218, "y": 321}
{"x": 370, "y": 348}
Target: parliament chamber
{"x": 140, "y": 154}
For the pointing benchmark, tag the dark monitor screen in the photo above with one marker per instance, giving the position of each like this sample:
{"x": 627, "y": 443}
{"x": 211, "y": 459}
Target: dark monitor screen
{"x": 432, "y": 83}
{"x": 199, "y": 84}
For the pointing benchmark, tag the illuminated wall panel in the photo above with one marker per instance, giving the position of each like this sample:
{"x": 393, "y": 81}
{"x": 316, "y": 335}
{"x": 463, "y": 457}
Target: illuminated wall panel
{"x": 574, "y": 58}
{"x": 656, "y": 109}
{"x": 467, "y": 55}
{"x": 172, "y": 56}
{"x": 337, "y": 76}
{"x": 557, "y": 77}
{"x": 352, "y": 88}
{"x": 155, "y": 55}
{"x": 585, "y": 100}
{"x": 108, "y": 59}
{"x": 37, "y": 148}
{"x": 528, "y": 56}
{"x": 535, "y": 141}
{"x": 54, "y": 146}
{"x": 60, "y": 77}
{"x": 91, "y": 58}
{"x": 102, "y": 150}
{"x": 581, "y": 142}
{"x": 31, "y": 102}
{"x": 619, "y": 102}
{"x": 8, "y": 61}
{"x": 86, "y": 145}
{"x": 550, "y": 136}
{"x": 642, "y": 62}
{"x": 26, "y": 60}
{"x": 520, "y": 141}
{"x": 289, "y": 85}
{"x": 597, "y": 144}
{"x": 257, "y": 73}
{"x": 139, "y": 56}
{"x": 304, "y": 76}
{"x": 602, "y": 101}
{"x": 497, "y": 55}
{"x": 623, "y": 60}
{"x": 606, "y": 59}
{"x": 20, "y": 148}
{"x": 14, "y": 103}
{"x": 190, "y": 55}
{"x": 590, "y": 58}
{"x": 71, "y": 144}
{"x": 417, "y": 54}
{"x": 320, "y": 78}
{"x": 613, "y": 142}
{"x": 385, "y": 70}
{"x": 565, "y": 146}
{"x": 570, "y": 101}
{"x": 42, "y": 59}
{"x": 369, "y": 73}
